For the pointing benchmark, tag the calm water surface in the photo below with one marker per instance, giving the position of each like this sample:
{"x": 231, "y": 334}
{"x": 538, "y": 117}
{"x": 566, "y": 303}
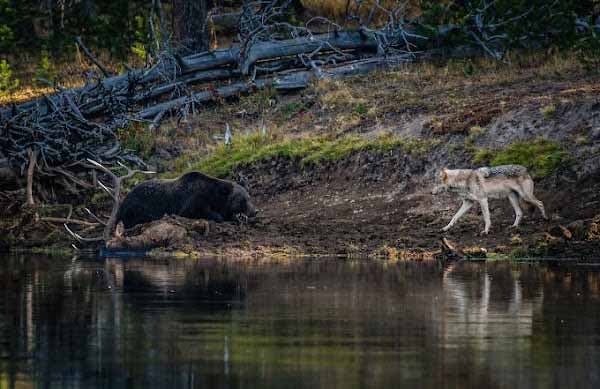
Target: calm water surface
{"x": 84, "y": 323}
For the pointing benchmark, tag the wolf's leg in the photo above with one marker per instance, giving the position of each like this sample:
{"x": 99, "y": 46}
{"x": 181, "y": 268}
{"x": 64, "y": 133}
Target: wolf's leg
{"x": 527, "y": 194}
{"x": 486, "y": 215}
{"x": 466, "y": 205}
{"x": 514, "y": 201}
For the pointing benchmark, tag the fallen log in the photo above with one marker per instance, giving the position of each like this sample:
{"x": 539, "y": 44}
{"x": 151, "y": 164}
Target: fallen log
{"x": 200, "y": 97}
{"x": 195, "y": 78}
{"x": 302, "y": 79}
{"x": 91, "y": 95}
{"x": 334, "y": 41}
{"x": 289, "y": 81}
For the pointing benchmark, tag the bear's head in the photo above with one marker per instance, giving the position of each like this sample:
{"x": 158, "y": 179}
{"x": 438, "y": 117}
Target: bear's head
{"x": 239, "y": 202}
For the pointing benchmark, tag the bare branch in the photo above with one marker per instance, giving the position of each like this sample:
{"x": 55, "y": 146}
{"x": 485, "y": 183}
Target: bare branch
{"x": 81, "y": 238}
{"x": 68, "y": 220}
{"x": 91, "y": 57}
{"x": 94, "y": 216}
{"x": 33, "y": 155}
{"x": 116, "y": 192}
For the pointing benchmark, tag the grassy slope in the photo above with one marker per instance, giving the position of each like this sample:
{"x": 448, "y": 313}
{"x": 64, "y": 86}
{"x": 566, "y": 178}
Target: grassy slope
{"x": 333, "y": 119}
{"x": 256, "y": 147}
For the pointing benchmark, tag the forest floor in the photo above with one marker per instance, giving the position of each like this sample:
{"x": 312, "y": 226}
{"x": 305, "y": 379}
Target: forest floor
{"x": 347, "y": 167}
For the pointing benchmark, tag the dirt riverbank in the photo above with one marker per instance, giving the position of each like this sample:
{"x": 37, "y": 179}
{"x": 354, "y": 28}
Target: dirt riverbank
{"x": 376, "y": 198}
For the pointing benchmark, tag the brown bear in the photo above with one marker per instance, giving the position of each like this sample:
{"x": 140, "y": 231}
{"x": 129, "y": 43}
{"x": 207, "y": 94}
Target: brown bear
{"x": 193, "y": 195}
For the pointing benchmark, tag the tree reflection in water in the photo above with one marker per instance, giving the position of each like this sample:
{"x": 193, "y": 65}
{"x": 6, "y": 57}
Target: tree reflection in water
{"x": 295, "y": 323}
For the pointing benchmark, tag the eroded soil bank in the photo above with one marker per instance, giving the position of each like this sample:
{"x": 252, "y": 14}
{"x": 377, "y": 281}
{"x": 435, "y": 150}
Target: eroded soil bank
{"x": 373, "y": 203}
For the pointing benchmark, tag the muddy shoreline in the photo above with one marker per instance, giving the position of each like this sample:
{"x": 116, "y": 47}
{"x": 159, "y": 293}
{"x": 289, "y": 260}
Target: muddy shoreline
{"x": 379, "y": 205}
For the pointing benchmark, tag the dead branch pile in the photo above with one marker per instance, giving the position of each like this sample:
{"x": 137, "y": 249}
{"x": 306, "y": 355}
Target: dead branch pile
{"x": 65, "y": 129}
{"x": 50, "y": 141}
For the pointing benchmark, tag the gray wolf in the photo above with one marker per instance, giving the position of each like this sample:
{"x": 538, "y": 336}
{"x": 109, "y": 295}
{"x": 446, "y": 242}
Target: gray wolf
{"x": 479, "y": 185}
{"x": 193, "y": 195}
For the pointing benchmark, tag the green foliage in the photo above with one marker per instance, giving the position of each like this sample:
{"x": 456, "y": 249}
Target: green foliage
{"x": 7, "y": 38}
{"x": 541, "y": 157}
{"x": 548, "y": 111}
{"x": 519, "y": 253}
{"x": 513, "y": 23}
{"x": 255, "y": 147}
{"x": 7, "y": 34}
{"x": 360, "y": 108}
{"x": 588, "y": 47}
{"x": 139, "y": 45}
{"x": 44, "y": 70}
{"x": 121, "y": 26}
{"x": 107, "y": 25}
{"x": 292, "y": 109}
{"x": 483, "y": 156}
{"x": 7, "y": 82}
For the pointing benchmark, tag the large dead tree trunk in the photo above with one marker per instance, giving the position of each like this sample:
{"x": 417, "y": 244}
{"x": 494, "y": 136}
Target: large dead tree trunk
{"x": 290, "y": 81}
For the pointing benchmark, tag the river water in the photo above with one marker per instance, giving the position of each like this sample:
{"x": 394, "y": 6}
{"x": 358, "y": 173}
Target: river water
{"x": 302, "y": 323}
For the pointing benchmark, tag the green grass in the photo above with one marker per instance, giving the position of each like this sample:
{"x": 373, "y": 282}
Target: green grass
{"x": 290, "y": 110}
{"x": 541, "y": 157}
{"x": 548, "y": 111}
{"x": 254, "y": 148}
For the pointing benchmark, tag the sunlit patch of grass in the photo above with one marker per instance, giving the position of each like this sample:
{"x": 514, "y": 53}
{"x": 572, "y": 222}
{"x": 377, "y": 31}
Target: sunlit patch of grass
{"x": 475, "y": 131}
{"x": 337, "y": 94}
{"x": 249, "y": 149}
{"x": 256, "y": 147}
{"x": 483, "y": 156}
{"x": 67, "y": 71}
{"x": 541, "y": 157}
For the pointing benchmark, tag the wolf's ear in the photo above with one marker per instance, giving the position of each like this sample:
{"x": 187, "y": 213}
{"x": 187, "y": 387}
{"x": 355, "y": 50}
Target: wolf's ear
{"x": 444, "y": 175}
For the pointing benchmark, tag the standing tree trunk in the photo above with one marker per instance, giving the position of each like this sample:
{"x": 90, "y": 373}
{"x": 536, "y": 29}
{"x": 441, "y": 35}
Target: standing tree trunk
{"x": 88, "y": 8}
{"x": 190, "y": 28}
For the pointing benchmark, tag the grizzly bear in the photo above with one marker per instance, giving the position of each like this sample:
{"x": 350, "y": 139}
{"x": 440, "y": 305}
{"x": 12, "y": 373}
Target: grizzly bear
{"x": 193, "y": 195}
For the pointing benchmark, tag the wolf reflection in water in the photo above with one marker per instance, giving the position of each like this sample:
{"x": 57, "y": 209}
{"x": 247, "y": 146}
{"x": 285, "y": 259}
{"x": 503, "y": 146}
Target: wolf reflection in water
{"x": 304, "y": 323}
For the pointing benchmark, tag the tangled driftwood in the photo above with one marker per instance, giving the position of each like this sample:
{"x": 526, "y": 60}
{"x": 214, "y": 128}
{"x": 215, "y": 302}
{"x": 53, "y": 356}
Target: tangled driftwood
{"x": 60, "y": 142}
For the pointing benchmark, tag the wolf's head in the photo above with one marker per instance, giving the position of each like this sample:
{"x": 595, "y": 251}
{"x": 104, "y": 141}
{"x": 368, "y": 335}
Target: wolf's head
{"x": 441, "y": 182}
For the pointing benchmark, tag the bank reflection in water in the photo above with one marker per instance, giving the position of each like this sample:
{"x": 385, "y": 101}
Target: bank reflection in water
{"x": 296, "y": 323}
